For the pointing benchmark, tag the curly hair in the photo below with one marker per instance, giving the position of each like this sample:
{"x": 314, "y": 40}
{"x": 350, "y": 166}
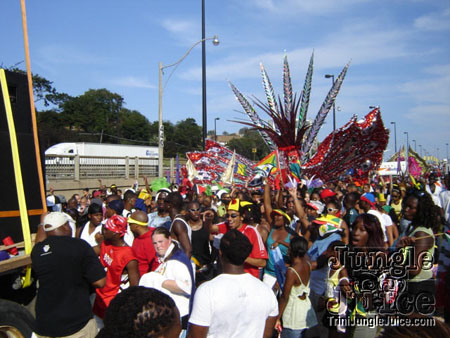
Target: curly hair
{"x": 427, "y": 214}
{"x": 139, "y": 312}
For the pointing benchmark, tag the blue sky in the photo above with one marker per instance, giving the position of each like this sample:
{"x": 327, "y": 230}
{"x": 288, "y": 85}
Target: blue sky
{"x": 399, "y": 51}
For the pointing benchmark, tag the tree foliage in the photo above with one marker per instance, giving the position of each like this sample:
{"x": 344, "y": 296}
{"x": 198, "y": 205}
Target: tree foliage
{"x": 245, "y": 144}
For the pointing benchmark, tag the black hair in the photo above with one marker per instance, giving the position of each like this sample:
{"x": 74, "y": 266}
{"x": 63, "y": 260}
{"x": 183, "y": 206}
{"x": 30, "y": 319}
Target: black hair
{"x": 299, "y": 246}
{"x": 72, "y": 212}
{"x": 190, "y": 203}
{"x": 336, "y": 203}
{"x": 129, "y": 194}
{"x": 427, "y": 215}
{"x": 353, "y": 196}
{"x": 175, "y": 199}
{"x": 95, "y": 208}
{"x": 250, "y": 212}
{"x": 235, "y": 247}
{"x": 139, "y": 312}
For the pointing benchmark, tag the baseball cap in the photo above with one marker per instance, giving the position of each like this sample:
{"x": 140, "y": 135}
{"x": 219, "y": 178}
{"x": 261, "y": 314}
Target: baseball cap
{"x": 117, "y": 224}
{"x": 234, "y": 204}
{"x": 116, "y": 205}
{"x": 54, "y": 220}
{"x": 282, "y": 213}
{"x": 316, "y": 205}
{"x": 369, "y": 198}
{"x": 327, "y": 193}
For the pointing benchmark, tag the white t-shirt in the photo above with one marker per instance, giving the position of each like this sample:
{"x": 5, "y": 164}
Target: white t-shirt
{"x": 233, "y": 306}
{"x": 171, "y": 270}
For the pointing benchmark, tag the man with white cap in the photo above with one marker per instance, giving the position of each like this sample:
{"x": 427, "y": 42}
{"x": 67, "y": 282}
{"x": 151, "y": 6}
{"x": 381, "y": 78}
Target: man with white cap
{"x": 66, "y": 268}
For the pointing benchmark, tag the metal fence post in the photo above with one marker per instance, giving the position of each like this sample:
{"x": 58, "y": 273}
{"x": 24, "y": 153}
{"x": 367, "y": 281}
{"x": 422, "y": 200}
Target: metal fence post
{"x": 136, "y": 167}
{"x": 127, "y": 167}
{"x": 77, "y": 167}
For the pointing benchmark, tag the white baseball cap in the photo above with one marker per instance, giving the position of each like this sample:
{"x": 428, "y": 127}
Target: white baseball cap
{"x": 54, "y": 220}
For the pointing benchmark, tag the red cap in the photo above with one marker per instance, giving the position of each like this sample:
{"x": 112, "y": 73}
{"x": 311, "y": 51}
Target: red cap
{"x": 326, "y": 193}
{"x": 117, "y": 224}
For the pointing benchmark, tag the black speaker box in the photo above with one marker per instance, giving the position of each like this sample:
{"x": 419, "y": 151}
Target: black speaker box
{"x": 10, "y": 224}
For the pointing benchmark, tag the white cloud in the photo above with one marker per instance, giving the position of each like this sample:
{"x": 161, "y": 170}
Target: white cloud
{"x": 363, "y": 43}
{"x": 292, "y": 7}
{"x": 434, "y": 22}
{"x": 430, "y": 90}
{"x": 132, "y": 82}
{"x": 184, "y": 31}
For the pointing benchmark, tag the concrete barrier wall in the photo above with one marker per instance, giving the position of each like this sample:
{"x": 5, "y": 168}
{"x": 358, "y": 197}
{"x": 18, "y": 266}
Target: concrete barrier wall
{"x": 69, "y": 187}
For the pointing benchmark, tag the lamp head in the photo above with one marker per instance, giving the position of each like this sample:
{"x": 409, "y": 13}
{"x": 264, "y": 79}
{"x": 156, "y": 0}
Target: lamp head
{"x": 215, "y": 40}
{"x": 327, "y": 76}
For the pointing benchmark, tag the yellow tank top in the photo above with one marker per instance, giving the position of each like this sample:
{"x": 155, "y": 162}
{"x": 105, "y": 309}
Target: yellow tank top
{"x": 426, "y": 272}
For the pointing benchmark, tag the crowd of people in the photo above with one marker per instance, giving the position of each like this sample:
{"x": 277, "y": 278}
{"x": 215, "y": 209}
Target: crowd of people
{"x": 340, "y": 260}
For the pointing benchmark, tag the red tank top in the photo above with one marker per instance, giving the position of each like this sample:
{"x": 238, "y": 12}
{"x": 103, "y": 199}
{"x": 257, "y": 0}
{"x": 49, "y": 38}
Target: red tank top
{"x": 114, "y": 259}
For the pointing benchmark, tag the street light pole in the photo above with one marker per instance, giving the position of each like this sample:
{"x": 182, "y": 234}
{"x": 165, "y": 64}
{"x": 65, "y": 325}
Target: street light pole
{"x": 328, "y": 76}
{"x": 215, "y": 41}
{"x": 415, "y": 145}
{"x": 395, "y": 136}
{"x": 420, "y": 150}
{"x": 204, "y": 117}
{"x": 215, "y": 128}
{"x": 447, "y": 150}
{"x": 160, "y": 125}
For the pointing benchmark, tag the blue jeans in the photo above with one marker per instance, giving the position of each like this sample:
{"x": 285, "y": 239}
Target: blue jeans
{"x": 289, "y": 333}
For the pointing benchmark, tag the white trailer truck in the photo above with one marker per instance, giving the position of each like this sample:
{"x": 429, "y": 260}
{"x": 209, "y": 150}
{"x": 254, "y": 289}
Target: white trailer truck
{"x": 102, "y": 149}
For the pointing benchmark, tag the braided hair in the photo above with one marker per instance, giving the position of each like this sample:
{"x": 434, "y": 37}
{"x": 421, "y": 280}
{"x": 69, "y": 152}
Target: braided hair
{"x": 139, "y": 312}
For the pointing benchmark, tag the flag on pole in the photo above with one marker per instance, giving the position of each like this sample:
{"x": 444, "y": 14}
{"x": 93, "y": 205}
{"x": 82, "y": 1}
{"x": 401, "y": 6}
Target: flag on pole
{"x": 241, "y": 169}
{"x": 192, "y": 172}
{"x": 227, "y": 177}
{"x": 271, "y": 159}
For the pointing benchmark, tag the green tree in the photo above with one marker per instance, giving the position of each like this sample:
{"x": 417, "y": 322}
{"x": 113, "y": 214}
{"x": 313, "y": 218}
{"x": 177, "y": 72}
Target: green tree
{"x": 186, "y": 136}
{"x": 134, "y": 126}
{"x": 244, "y": 145}
{"x": 43, "y": 90}
{"x": 96, "y": 111}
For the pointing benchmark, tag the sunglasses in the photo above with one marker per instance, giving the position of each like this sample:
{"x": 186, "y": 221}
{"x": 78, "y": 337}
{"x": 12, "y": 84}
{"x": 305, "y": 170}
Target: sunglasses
{"x": 331, "y": 209}
{"x": 194, "y": 210}
{"x": 231, "y": 215}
